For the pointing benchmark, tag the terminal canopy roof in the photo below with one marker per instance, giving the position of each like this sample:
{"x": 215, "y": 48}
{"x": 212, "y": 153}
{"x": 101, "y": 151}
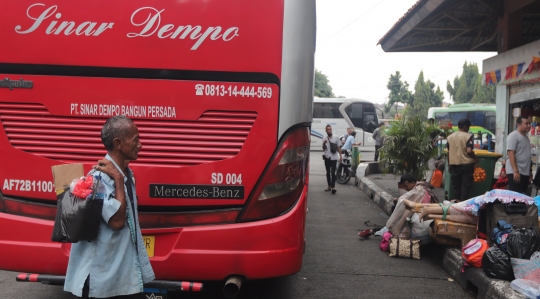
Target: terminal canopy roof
{"x": 463, "y": 25}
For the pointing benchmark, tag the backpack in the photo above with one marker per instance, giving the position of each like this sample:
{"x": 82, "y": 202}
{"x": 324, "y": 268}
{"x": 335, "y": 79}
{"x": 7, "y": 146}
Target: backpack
{"x": 500, "y": 234}
{"x": 473, "y": 252}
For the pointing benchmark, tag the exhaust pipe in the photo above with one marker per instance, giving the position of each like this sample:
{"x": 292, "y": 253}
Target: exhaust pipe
{"x": 232, "y": 286}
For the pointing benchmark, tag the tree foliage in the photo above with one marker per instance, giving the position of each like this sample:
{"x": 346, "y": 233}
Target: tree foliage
{"x": 407, "y": 147}
{"x": 483, "y": 93}
{"x": 468, "y": 87}
{"x": 399, "y": 91}
{"x": 425, "y": 96}
{"x": 322, "y": 87}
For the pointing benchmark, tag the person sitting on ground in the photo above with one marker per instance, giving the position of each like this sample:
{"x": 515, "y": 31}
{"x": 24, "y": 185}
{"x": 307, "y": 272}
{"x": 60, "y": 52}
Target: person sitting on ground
{"x": 418, "y": 192}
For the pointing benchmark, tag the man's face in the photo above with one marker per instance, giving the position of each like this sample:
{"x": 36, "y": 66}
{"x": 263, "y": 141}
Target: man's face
{"x": 409, "y": 185}
{"x": 525, "y": 126}
{"x": 349, "y": 130}
{"x": 131, "y": 145}
{"x": 329, "y": 130}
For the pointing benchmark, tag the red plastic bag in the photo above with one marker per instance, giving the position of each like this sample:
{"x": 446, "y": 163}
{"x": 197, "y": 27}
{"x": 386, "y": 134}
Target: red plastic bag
{"x": 502, "y": 181}
{"x": 436, "y": 179}
{"x": 83, "y": 187}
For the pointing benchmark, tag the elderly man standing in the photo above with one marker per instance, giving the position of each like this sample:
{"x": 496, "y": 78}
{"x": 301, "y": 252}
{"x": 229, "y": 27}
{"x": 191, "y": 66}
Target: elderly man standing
{"x": 116, "y": 263}
{"x": 518, "y": 161}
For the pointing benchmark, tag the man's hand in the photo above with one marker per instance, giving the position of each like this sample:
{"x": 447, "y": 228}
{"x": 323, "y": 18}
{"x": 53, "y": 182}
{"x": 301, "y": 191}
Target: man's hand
{"x": 108, "y": 168}
{"x": 517, "y": 177}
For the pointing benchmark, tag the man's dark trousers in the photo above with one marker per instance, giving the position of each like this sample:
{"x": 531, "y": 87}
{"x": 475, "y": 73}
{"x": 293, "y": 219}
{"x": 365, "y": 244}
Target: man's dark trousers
{"x": 462, "y": 180}
{"x": 520, "y": 186}
{"x": 377, "y": 147}
{"x": 330, "y": 166}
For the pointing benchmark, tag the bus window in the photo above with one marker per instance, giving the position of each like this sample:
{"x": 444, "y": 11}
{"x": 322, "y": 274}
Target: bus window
{"x": 355, "y": 113}
{"x": 490, "y": 122}
{"x": 456, "y": 116}
{"x": 326, "y": 110}
{"x": 477, "y": 118}
{"x": 441, "y": 116}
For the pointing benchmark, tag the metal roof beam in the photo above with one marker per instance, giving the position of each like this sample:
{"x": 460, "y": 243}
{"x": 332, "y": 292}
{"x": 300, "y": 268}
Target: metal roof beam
{"x": 513, "y": 5}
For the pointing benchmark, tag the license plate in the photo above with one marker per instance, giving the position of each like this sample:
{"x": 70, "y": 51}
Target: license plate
{"x": 149, "y": 244}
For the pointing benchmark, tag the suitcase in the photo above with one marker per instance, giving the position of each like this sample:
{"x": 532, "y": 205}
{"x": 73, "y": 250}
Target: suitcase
{"x": 518, "y": 214}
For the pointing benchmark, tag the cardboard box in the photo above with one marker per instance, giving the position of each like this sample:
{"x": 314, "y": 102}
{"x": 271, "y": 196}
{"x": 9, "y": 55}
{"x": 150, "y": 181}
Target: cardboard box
{"x": 64, "y": 174}
{"x": 462, "y": 232}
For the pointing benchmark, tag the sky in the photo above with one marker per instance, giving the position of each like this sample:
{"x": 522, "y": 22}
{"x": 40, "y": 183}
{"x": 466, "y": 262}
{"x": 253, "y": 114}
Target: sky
{"x": 347, "y": 53}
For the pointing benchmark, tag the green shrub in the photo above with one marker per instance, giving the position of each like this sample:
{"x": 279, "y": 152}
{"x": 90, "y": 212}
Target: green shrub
{"x": 407, "y": 147}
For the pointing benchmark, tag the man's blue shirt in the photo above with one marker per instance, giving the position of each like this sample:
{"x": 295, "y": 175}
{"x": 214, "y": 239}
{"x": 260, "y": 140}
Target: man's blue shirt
{"x": 348, "y": 143}
{"x": 116, "y": 267}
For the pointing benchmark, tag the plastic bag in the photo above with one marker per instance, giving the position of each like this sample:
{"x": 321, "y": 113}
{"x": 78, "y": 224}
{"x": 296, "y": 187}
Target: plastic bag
{"x": 82, "y": 187}
{"x": 385, "y": 242}
{"x": 496, "y": 264}
{"x": 437, "y": 179}
{"x": 420, "y": 230}
{"x": 526, "y": 269}
{"x": 522, "y": 243}
{"x": 528, "y": 288}
{"x": 77, "y": 219}
{"x": 479, "y": 174}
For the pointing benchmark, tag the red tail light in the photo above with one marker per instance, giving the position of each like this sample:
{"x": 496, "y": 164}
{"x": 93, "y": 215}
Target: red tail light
{"x": 283, "y": 180}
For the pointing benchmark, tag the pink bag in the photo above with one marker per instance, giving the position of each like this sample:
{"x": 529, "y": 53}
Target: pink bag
{"x": 385, "y": 242}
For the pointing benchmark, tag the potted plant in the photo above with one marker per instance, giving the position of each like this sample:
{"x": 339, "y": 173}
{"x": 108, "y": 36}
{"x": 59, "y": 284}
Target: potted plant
{"x": 407, "y": 147}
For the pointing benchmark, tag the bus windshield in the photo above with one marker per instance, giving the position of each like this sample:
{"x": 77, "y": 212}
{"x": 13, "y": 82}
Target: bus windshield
{"x": 361, "y": 114}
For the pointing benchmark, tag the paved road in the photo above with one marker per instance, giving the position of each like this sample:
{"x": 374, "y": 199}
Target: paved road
{"x": 336, "y": 263}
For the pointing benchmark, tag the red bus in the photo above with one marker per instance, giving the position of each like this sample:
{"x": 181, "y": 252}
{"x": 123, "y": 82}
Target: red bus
{"x": 221, "y": 92}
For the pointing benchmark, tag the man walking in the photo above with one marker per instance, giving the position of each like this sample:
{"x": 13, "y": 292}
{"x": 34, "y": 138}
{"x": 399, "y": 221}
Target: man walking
{"x": 116, "y": 263}
{"x": 518, "y": 160}
{"x": 461, "y": 159}
{"x": 378, "y": 140}
{"x": 332, "y": 148}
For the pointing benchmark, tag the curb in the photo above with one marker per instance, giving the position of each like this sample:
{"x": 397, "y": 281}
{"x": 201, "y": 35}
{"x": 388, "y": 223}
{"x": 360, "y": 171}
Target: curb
{"x": 450, "y": 259}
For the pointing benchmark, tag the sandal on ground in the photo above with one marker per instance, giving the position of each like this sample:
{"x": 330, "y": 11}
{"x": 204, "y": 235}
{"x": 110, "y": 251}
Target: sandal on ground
{"x": 334, "y": 191}
{"x": 327, "y": 189}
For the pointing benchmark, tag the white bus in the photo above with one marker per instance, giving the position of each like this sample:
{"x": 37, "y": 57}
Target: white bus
{"x": 342, "y": 113}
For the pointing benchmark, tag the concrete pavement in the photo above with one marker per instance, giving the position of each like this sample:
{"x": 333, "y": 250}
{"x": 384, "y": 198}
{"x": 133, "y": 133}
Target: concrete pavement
{"x": 382, "y": 189}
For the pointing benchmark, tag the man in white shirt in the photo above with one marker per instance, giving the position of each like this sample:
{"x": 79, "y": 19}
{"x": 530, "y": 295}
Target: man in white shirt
{"x": 332, "y": 148}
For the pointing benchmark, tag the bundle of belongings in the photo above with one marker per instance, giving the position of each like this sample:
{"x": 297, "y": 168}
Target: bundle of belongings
{"x": 507, "y": 241}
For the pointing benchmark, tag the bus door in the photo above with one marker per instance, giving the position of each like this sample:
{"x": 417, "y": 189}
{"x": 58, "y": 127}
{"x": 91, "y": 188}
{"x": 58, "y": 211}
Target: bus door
{"x": 363, "y": 117}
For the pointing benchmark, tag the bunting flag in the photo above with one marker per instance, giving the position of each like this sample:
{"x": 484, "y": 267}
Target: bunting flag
{"x": 514, "y": 71}
{"x": 525, "y": 71}
{"x": 493, "y": 77}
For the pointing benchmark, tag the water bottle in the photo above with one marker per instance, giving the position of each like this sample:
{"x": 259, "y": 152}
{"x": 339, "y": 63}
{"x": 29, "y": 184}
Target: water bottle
{"x": 99, "y": 188}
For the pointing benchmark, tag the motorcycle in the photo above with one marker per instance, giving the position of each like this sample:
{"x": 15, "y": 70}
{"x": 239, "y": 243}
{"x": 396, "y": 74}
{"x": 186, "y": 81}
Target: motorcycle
{"x": 344, "y": 170}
